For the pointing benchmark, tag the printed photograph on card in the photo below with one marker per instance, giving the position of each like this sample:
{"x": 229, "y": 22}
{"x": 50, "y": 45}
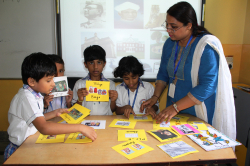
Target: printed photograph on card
{"x": 75, "y": 114}
{"x": 185, "y": 129}
{"x": 50, "y": 138}
{"x": 61, "y": 86}
{"x": 164, "y": 134}
{"x": 98, "y": 90}
{"x": 137, "y": 146}
{"x": 123, "y": 123}
{"x": 96, "y": 124}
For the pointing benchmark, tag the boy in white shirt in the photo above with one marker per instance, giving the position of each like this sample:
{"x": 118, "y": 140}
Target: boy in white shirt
{"x": 26, "y": 109}
{"x": 94, "y": 61}
{"x": 133, "y": 91}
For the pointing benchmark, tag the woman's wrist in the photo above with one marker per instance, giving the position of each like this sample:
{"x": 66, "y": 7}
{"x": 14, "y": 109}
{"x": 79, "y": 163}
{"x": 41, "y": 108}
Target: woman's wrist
{"x": 155, "y": 97}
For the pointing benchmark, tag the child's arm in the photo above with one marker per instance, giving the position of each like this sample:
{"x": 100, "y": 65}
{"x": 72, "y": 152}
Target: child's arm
{"x": 47, "y": 98}
{"x": 69, "y": 98}
{"x": 51, "y": 128}
{"x": 81, "y": 93}
{"x": 151, "y": 111}
{"x": 55, "y": 113}
{"x": 126, "y": 110}
{"x": 113, "y": 96}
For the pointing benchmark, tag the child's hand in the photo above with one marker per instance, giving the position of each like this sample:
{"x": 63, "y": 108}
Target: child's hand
{"x": 113, "y": 95}
{"x": 150, "y": 111}
{"x": 89, "y": 132}
{"x": 81, "y": 93}
{"x": 47, "y": 98}
{"x": 148, "y": 104}
{"x": 69, "y": 97}
{"x": 128, "y": 110}
{"x": 59, "y": 111}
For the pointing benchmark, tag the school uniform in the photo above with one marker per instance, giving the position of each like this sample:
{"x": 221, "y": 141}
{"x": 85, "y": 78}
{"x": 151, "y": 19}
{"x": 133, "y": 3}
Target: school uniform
{"x": 97, "y": 108}
{"x": 25, "y": 107}
{"x": 127, "y": 97}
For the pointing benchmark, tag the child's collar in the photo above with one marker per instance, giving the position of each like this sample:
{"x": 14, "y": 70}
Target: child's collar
{"x": 102, "y": 77}
{"x": 37, "y": 95}
{"x": 140, "y": 84}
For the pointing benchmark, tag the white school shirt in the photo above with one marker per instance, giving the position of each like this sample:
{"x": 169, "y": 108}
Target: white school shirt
{"x": 24, "y": 108}
{"x": 97, "y": 108}
{"x": 57, "y": 102}
{"x": 145, "y": 92}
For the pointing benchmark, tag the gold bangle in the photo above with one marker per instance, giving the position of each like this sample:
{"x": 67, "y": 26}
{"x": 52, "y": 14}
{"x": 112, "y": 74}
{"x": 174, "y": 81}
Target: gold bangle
{"x": 80, "y": 100}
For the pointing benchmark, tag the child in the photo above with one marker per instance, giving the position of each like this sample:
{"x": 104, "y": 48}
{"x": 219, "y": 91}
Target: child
{"x": 94, "y": 61}
{"x": 26, "y": 109}
{"x": 132, "y": 92}
{"x": 51, "y": 103}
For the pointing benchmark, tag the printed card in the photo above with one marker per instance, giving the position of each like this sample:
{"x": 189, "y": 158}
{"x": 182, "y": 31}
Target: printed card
{"x": 177, "y": 149}
{"x": 140, "y": 118}
{"x": 76, "y": 114}
{"x": 185, "y": 129}
{"x": 98, "y": 90}
{"x": 162, "y": 125}
{"x": 123, "y": 123}
{"x": 199, "y": 125}
{"x": 164, "y": 134}
{"x": 178, "y": 120}
{"x": 61, "y": 86}
{"x": 96, "y": 124}
{"x": 77, "y": 138}
{"x": 42, "y": 139}
{"x": 129, "y": 135}
{"x": 212, "y": 139}
{"x": 132, "y": 149}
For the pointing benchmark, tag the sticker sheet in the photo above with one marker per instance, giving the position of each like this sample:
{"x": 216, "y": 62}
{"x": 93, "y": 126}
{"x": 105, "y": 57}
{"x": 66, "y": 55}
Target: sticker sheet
{"x": 50, "y": 138}
{"x": 128, "y": 135}
{"x": 98, "y": 90}
{"x": 96, "y": 124}
{"x": 123, "y": 123}
{"x": 61, "y": 86}
{"x": 139, "y": 117}
{"x": 77, "y": 138}
{"x": 132, "y": 149}
{"x": 163, "y": 135}
{"x": 185, "y": 129}
{"x": 76, "y": 114}
{"x": 212, "y": 139}
{"x": 177, "y": 149}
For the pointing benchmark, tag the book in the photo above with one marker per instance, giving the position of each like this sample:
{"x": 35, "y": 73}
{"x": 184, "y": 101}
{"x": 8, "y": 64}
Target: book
{"x": 76, "y": 114}
{"x": 132, "y": 149}
{"x": 163, "y": 135}
{"x": 185, "y": 129}
{"x": 177, "y": 149}
{"x": 140, "y": 117}
{"x": 123, "y": 123}
{"x": 50, "y": 138}
{"x": 212, "y": 139}
{"x": 98, "y": 90}
{"x": 128, "y": 135}
{"x": 77, "y": 138}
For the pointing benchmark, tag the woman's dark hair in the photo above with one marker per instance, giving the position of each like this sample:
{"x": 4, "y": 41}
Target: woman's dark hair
{"x": 128, "y": 64}
{"x": 36, "y": 66}
{"x": 56, "y": 58}
{"x": 184, "y": 13}
{"x": 94, "y": 52}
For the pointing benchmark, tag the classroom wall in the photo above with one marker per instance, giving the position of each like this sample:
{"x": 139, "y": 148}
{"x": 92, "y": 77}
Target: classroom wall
{"x": 228, "y": 21}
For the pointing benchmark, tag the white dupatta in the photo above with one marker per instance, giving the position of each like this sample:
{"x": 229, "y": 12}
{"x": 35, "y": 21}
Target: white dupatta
{"x": 224, "y": 118}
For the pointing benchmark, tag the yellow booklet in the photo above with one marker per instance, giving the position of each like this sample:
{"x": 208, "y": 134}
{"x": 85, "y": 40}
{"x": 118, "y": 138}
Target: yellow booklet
{"x": 98, "y": 90}
{"x": 77, "y": 138}
{"x": 76, "y": 114}
{"x": 199, "y": 125}
{"x": 123, "y": 123}
{"x": 50, "y": 138}
{"x": 140, "y": 118}
{"x": 177, "y": 149}
{"x": 132, "y": 149}
{"x": 127, "y": 135}
{"x": 163, "y": 135}
{"x": 162, "y": 125}
{"x": 178, "y": 120}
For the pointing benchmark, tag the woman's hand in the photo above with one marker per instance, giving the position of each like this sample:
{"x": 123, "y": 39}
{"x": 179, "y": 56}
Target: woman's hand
{"x": 168, "y": 113}
{"x": 127, "y": 110}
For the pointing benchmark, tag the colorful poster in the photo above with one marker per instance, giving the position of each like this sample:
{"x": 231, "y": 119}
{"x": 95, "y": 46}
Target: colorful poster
{"x": 98, "y": 90}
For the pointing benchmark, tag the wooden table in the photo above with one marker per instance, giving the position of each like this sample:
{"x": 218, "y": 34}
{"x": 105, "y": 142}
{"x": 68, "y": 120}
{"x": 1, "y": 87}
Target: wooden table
{"x": 100, "y": 152}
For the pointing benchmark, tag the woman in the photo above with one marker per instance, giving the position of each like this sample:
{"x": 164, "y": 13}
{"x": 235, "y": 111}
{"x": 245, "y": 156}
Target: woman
{"x": 194, "y": 67}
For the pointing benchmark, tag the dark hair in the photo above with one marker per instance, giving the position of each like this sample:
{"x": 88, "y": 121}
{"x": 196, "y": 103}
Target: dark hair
{"x": 184, "y": 13}
{"x": 128, "y": 64}
{"x": 94, "y": 52}
{"x": 36, "y": 66}
{"x": 56, "y": 58}
{"x": 98, "y": 5}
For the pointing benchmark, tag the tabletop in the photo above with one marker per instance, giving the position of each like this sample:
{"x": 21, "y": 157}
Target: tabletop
{"x": 100, "y": 152}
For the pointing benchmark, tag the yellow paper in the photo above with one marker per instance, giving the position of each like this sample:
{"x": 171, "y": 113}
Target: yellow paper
{"x": 163, "y": 135}
{"x": 158, "y": 125}
{"x": 77, "y": 138}
{"x": 140, "y": 118}
{"x": 132, "y": 149}
{"x": 76, "y": 114}
{"x": 50, "y": 138}
{"x": 128, "y": 135}
{"x": 98, "y": 90}
{"x": 177, "y": 149}
{"x": 199, "y": 125}
{"x": 123, "y": 123}
{"x": 178, "y": 120}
